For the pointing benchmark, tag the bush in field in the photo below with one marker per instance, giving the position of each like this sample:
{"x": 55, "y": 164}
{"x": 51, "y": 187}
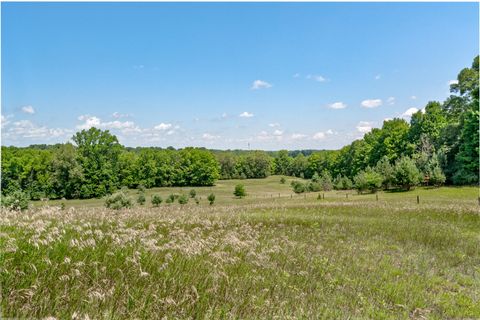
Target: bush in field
{"x": 298, "y": 187}
{"x": 17, "y": 200}
{"x": 314, "y": 186}
{"x": 197, "y": 201}
{"x": 368, "y": 180}
{"x": 406, "y": 173}
{"x": 283, "y": 180}
{"x": 183, "y": 199}
{"x": 239, "y": 191}
{"x": 156, "y": 200}
{"x": 118, "y": 200}
{"x": 141, "y": 199}
{"x": 171, "y": 198}
{"x": 316, "y": 177}
{"x": 141, "y": 188}
{"x": 193, "y": 193}
{"x": 342, "y": 183}
{"x": 211, "y": 198}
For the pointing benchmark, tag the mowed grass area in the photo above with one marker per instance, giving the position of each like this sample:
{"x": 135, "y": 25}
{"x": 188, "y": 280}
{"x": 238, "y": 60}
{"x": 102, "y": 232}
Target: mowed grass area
{"x": 259, "y": 257}
{"x": 271, "y": 191}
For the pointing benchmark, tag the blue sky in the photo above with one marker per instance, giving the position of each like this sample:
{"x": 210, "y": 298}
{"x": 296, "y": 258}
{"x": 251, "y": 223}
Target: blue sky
{"x": 225, "y": 75}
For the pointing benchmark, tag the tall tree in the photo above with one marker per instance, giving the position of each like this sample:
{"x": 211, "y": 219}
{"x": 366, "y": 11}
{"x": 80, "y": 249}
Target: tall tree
{"x": 98, "y": 155}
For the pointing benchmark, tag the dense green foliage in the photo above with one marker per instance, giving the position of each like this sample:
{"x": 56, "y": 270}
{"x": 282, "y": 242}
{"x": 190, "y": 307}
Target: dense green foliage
{"x": 441, "y": 142}
{"x": 18, "y": 200}
{"x": 98, "y": 165}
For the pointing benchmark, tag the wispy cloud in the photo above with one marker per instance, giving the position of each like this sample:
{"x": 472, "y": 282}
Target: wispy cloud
{"x": 337, "y": 105}
{"x": 371, "y": 103}
{"x": 317, "y": 77}
{"x": 297, "y": 75}
{"x": 391, "y": 101}
{"x": 298, "y": 136}
{"x": 246, "y": 114}
{"x": 5, "y": 120}
{"x": 378, "y": 76}
{"x": 28, "y": 109}
{"x": 163, "y": 126}
{"x": 319, "y": 136}
{"x": 452, "y": 82}
{"x": 260, "y": 84}
{"x": 277, "y": 132}
{"x": 118, "y": 115}
{"x": 209, "y": 136}
{"x": 413, "y": 97}
{"x": 27, "y": 129}
{"x": 273, "y": 125}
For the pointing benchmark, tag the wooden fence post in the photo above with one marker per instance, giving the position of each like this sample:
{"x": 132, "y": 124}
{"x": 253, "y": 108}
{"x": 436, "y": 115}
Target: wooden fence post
{"x": 418, "y": 199}
{"x": 376, "y": 196}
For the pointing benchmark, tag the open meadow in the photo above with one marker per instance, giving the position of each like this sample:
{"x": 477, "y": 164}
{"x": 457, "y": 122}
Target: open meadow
{"x": 269, "y": 255}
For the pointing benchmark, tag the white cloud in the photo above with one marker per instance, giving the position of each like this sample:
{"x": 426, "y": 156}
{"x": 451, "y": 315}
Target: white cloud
{"x": 413, "y": 97}
{"x": 296, "y": 75}
{"x": 387, "y": 119}
{"x": 210, "y": 137}
{"x": 330, "y": 131}
{"x": 371, "y": 103}
{"x": 224, "y": 115}
{"x": 28, "y": 109}
{"x": 118, "y": 115}
{"x": 260, "y": 84}
{"x": 337, "y": 105}
{"x": 246, "y": 114}
{"x": 409, "y": 112}
{"x": 391, "y": 101}
{"x": 263, "y": 135}
{"x": 27, "y": 129}
{"x": 319, "y": 136}
{"x": 5, "y": 120}
{"x": 92, "y": 121}
{"x": 317, "y": 78}
{"x": 364, "y": 126}
{"x": 298, "y": 136}
{"x": 163, "y": 126}
{"x": 378, "y": 76}
{"x": 277, "y": 132}
{"x": 452, "y": 82}
{"x": 273, "y": 125}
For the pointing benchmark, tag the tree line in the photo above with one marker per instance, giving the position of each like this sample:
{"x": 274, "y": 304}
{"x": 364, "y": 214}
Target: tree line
{"x": 442, "y": 139}
{"x": 441, "y": 143}
{"x": 97, "y": 165}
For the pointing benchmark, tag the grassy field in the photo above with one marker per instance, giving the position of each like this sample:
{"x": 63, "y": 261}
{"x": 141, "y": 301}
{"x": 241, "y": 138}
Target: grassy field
{"x": 270, "y": 255}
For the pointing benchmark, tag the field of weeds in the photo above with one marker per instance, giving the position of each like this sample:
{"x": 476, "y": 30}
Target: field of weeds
{"x": 265, "y": 259}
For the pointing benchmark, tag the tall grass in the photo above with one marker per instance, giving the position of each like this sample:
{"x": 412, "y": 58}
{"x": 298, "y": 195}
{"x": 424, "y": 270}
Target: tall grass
{"x": 265, "y": 260}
